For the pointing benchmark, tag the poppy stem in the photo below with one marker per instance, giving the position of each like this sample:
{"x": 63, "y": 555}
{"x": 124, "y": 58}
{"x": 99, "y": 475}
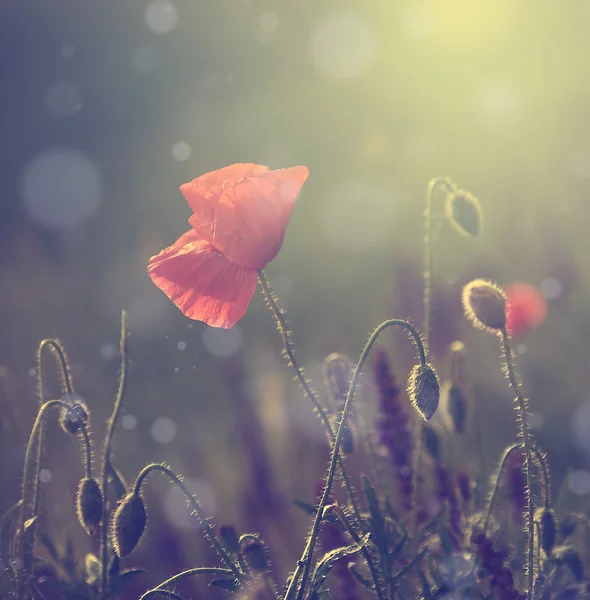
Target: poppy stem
{"x": 111, "y": 424}
{"x": 305, "y": 560}
{"x": 189, "y": 573}
{"x": 521, "y": 404}
{"x": 287, "y": 345}
{"x": 426, "y": 327}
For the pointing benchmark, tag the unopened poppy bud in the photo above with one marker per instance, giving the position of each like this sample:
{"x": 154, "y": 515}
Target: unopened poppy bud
{"x": 547, "y": 524}
{"x": 431, "y": 442}
{"x": 464, "y": 485}
{"x": 485, "y": 305}
{"x": 255, "y": 555}
{"x": 229, "y": 537}
{"x": 572, "y": 559}
{"x": 128, "y": 524}
{"x": 464, "y": 212}
{"x": 89, "y": 504}
{"x": 424, "y": 390}
{"x": 347, "y": 440}
{"x": 338, "y": 370}
{"x": 72, "y": 418}
{"x": 455, "y": 406}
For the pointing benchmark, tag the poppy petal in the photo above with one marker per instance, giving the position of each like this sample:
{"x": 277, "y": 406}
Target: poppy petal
{"x": 526, "y": 308}
{"x": 248, "y": 221}
{"x": 202, "y": 282}
{"x": 203, "y": 192}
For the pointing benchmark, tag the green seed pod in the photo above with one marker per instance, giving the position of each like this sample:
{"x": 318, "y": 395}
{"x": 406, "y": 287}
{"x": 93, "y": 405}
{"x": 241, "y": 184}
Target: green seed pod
{"x": 128, "y": 524}
{"x": 72, "y": 418}
{"x": 255, "y": 556}
{"x": 464, "y": 212}
{"x": 89, "y": 504}
{"x": 547, "y": 524}
{"x": 424, "y": 390}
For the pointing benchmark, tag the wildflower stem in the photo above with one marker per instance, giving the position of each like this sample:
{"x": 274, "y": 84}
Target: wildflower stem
{"x": 87, "y": 450}
{"x": 111, "y": 424}
{"x": 208, "y": 530}
{"x": 526, "y": 442}
{"x": 24, "y": 545}
{"x": 305, "y": 561}
{"x": 188, "y": 573}
{"x": 284, "y": 331}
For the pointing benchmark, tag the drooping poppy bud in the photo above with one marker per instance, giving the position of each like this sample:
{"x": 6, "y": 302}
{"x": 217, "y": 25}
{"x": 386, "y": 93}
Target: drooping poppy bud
{"x": 72, "y": 418}
{"x": 485, "y": 305}
{"x": 547, "y": 524}
{"x": 464, "y": 212}
{"x": 455, "y": 406}
{"x": 128, "y": 524}
{"x": 89, "y": 504}
{"x": 424, "y": 390}
{"x": 255, "y": 556}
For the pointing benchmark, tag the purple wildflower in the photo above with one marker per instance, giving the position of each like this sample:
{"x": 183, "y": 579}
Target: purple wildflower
{"x": 394, "y": 427}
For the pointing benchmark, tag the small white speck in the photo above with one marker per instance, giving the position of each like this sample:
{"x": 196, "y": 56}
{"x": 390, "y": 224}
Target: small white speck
{"x": 181, "y": 151}
{"x": 45, "y": 476}
{"x": 163, "y": 430}
{"x": 551, "y": 288}
{"x": 67, "y": 50}
{"x": 176, "y": 369}
{"x": 129, "y": 422}
{"x": 181, "y": 346}
{"x": 269, "y": 21}
{"x": 189, "y": 326}
{"x": 32, "y": 372}
{"x": 161, "y": 16}
{"x": 535, "y": 420}
{"x": 520, "y": 349}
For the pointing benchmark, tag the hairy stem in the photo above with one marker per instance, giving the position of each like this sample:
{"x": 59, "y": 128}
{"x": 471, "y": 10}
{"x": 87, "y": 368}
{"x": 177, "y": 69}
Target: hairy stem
{"x": 208, "y": 530}
{"x": 287, "y": 345}
{"x": 22, "y": 549}
{"x": 111, "y": 424}
{"x": 188, "y": 573}
{"x": 305, "y": 561}
{"x": 526, "y": 442}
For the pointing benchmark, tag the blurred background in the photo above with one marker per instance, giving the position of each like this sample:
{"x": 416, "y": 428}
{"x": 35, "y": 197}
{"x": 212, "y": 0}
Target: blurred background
{"x": 107, "y": 107}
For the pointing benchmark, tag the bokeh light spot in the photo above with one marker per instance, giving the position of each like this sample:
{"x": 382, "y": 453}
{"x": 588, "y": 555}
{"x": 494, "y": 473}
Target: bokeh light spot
{"x": 222, "y": 342}
{"x": 181, "y": 151}
{"x": 67, "y": 50}
{"x": 108, "y": 351}
{"x": 161, "y": 17}
{"x": 63, "y": 99}
{"x": 61, "y": 188}
{"x": 551, "y": 288}
{"x": 181, "y": 346}
{"x": 45, "y": 475}
{"x": 579, "y": 482}
{"x": 129, "y": 422}
{"x": 269, "y": 21}
{"x": 163, "y": 430}
{"x": 343, "y": 45}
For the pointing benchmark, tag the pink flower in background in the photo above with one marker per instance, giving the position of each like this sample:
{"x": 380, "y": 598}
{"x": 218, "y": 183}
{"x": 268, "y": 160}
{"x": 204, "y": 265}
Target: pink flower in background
{"x": 240, "y": 217}
{"x": 526, "y": 308}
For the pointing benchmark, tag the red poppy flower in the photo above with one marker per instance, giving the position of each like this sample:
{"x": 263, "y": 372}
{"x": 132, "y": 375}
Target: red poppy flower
{"x": 526, "y": 308}
{"x": 240, "y": 217}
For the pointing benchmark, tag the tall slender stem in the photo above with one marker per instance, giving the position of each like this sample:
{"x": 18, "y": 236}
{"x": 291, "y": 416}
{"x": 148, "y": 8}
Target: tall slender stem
{"x": 526, "y": 442}
{"x": 111, "y": 424}
{"x": 305, "y": 561}
{"x": 22, "y": 542}
{"x": 209, "y": 533}
{"x": 284, "y": 331}
{"x": 188, "y": 573}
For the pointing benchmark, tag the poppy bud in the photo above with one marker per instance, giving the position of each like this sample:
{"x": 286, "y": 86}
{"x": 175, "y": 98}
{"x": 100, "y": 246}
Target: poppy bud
{"x": 128, "y": 524}
{"x": 485, "y": 305}
{"x": 424, "y": 390}
{"x": 455, "y": 406}
{"x": 230, "y": 539}
{"x": 431, "y": 442}
{"x": 256, "y": 556}
{"x": 464, "y": 212}
{"x": 89, "y": 504}
{"x": 547, "y": 525}
{"x": 72, "y": 418}
{"x": 571, "y": 558}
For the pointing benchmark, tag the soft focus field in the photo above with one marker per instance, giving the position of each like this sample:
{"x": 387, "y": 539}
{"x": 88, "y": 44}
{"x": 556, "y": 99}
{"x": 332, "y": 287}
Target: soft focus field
{"x": 107, "y": 107}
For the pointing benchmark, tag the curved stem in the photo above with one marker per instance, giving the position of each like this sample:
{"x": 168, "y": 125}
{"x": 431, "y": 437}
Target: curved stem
{"x": 208, "y": 530}
{"x": 284, "y": 331}
{"x": 188, "y": 573}
{"x": 111, "y": 424}
{"x": 22, "y": 550}
{"x": 305, "y": 561}
{"x": 526, "y": 442}
{"x": 160, "y": 592}
{"x": 87, "y": 450}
